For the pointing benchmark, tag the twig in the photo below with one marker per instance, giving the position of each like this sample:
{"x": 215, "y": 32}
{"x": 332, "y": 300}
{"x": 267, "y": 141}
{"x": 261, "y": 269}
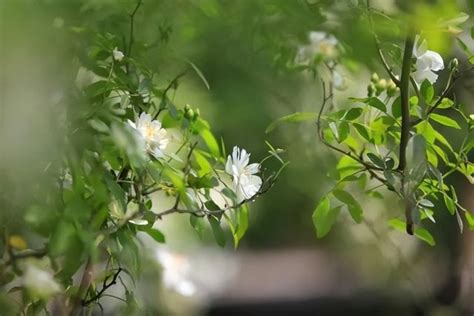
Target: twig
{"x": 28, "y": 253}
{"x": 379, "y": 49}
{"x": 348, "y": 153}
{"x": 105, "y": 286}
{"x": 131, "y": 35}
{"x": 172, "y": 84}
{"x": 205, "y": 212}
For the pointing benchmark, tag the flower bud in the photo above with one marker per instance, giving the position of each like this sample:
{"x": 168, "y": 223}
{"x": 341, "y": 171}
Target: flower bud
{"x": 391, "y": 88}
{"x": 380, "y": 86}
{"x": 371, "y": 90}
{"x": 197, "y": 113}
{"x": 186, "y": 108}
{"x": 189, "y": 114}
{"x": 375, "y": 78}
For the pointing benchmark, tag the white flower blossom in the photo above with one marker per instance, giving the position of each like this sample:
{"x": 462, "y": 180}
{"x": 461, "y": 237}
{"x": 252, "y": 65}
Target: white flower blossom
{"x": 319, "y": 43}
{"x": 39, "y": 282}
{"x": 156, "y": 138}
{"x": 176, "y": 272}
{"x": 246, "y": 183}
{"x": 427, "y": 62}
{"x": 323, "y": 43}
{"x": 118, "y": 55}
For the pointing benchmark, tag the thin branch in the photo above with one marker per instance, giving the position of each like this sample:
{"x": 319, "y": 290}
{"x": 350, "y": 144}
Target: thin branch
{"x": 348, "y": 153}
{"x": 385, "y": 64}
{"x": 28, "y": 253}
{"x": 105, "y": 286}
{"x": 131, "y": 33}
{"x": 172, "y": 84}
{"x": 205, "y": 212}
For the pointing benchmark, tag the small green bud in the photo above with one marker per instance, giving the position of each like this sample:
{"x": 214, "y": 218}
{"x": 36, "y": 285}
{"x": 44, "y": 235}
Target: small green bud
{"x": 380, "y": 86}
{"x": 391, "y": 88}
{"x": 197, "y": 113}
{"x": 187, "y": 108}
{"x": 371, "y": 90}
{"x": 375, "y": 78}
{"x": 189, "y": 114}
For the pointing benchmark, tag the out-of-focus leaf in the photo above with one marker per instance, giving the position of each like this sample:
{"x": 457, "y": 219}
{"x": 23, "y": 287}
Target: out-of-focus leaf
{"x": 324, "y": 217}
{"x": 423, "y": 234}
{"x": 352, "y": 205}
{"x": 217, "y": 231}
{"x": 292, "y": 118}
{"x": 155, "y": 234}
{"x": 200, "y": 74}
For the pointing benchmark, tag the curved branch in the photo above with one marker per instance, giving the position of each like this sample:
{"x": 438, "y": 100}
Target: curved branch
{"x": 382, "y": 58}
{"x": 105, "y": 286}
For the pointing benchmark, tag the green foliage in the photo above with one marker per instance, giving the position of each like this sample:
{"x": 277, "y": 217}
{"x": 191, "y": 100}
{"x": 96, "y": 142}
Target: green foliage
{"x": 125, "y": 139}
{"x": 398, "y": 135}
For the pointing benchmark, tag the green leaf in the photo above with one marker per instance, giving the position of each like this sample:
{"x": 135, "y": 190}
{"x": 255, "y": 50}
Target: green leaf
{"x": 376, "y": 103}
{"x": 470, "y": 219}
{"x": 242, "y": 218}
{"x": 217, "y": 231}
{"x": 444, "y": 120}
{"x": 376, "y": 160}
{"x": 450, "y": 205}
{"x": 362, "y": 130}
{"x": 324, "y": 217}
{"x": 352, "y": 205}
{"x": 427, "y": 91}
{"x": 445, "y": 103}
{"x": 292, "y": 118}
{"x": 423, "y": 234}
{"x": 460, "y": 18}
{"x": 426, "y": 203}
{"x": 198, "y": 224}
{"x": 397, "y": 108}
{"x": 343, "y": 131}
{"x": 398, "y": 224}
{"x": 199, "y": 73}
{"x": 204, "y": 131}
{"x": 353, "y": 113}
{"x": 155, "y": 234}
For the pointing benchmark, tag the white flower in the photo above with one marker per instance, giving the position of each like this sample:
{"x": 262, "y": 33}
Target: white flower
{"x": 246, "y": 183}
{"x": 323, "y": 43}
{"x": 40, "y": 283}
{"x": 320, "y": 43}
{"x": 176, "y": 271}
{"x": 155, "y": 137}
{"x": 427, "y": 62}
{"x": 118, "y": 55}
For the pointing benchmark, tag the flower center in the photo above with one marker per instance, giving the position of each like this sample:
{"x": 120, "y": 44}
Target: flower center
{"x": 149, "y": 131}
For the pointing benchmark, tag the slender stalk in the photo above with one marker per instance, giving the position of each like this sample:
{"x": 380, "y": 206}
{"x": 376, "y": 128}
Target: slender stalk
{"x": 131, "y": 35}
{"x": 404, "y": 98}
